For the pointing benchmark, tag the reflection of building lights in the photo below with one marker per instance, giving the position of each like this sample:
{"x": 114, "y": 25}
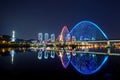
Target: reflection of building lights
{"x": 68, "y": 55}
{"x": 45, "y": 55}
{"x": 60, "y": 54}
{"x": 12, "y": 53}
{"x": 23, "y": 49}
{"x": 48, "y": 48}
{"x": 9, "y": 49}
{"x": 3, "y": 50}
{"x": 52, "y": 54}
{"x": 3, "y": 42}
{"x": 74, "y": 54}
{"x": 9, "y": 42}
{"x": 40, "y": 55}
{"x": 93, "y": 55}
{"x": 81, "y": 54}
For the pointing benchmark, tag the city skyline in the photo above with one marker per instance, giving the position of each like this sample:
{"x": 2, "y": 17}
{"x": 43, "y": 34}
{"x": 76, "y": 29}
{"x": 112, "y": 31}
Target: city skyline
{"x": 29, "y": 17}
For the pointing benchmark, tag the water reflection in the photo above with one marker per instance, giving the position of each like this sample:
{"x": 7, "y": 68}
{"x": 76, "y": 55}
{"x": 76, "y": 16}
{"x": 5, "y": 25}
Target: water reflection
{"x": 4, "y": 51}
{"x": 88, "y": 63}
{"x": 52, "y": 54}
{"x": 65, "y": 58}
{"x": 45, "y": 54}
{"x": 12, "y": 53}
{"x": 40, "y": 55}
{"x": 85, "y": 63}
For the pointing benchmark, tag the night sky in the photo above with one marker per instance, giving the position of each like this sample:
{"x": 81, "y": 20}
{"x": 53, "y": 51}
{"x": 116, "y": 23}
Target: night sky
{"x": 28, "y": 17}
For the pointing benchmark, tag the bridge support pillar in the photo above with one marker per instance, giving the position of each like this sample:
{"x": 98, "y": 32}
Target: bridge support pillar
{"x": 108, "y": 44}
{"x": 108, "y": 52}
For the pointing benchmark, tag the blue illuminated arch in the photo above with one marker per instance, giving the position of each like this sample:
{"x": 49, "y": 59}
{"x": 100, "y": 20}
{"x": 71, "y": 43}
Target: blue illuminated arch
{"x": 90, "y": 23}
{"x": 105, "y": 57}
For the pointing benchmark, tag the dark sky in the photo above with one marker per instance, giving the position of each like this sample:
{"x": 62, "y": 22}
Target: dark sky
{"x": 28, "y": 17}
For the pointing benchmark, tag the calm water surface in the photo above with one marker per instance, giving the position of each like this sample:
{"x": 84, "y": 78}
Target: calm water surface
{"x": 20, "y": 64}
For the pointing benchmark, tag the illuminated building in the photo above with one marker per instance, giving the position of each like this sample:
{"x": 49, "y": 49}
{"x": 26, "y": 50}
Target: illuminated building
{"x": 46, "y": 36}
{"x": 40, "y": 37}
{"x": 68, "y": 37}
{"x": 52, "y": 37}
{"x": 73, "y": 38}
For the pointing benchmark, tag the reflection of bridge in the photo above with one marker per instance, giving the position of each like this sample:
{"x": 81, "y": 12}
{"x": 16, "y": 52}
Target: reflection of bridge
{"x": 88, "y": 52}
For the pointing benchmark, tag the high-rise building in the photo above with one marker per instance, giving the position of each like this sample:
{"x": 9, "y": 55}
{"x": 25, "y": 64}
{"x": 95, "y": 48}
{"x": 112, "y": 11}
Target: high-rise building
{"x": 46, "y": 36}
{"x": 40, "y": 37}
{"x": 68, "y": 37}
{"x": 73, "y": 38}
{"x": 52, "y": 37}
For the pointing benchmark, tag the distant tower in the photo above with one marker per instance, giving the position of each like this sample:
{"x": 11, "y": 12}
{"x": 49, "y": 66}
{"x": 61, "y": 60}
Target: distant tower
{"x": 52, "y": 37}
{"x": 46, "y": 36}
{"x": 13, "y": 36}
{"x": 40, "y": 37}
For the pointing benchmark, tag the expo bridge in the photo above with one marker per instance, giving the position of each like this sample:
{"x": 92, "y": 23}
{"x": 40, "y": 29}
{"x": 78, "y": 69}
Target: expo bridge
{"x": 83, "y": 36}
